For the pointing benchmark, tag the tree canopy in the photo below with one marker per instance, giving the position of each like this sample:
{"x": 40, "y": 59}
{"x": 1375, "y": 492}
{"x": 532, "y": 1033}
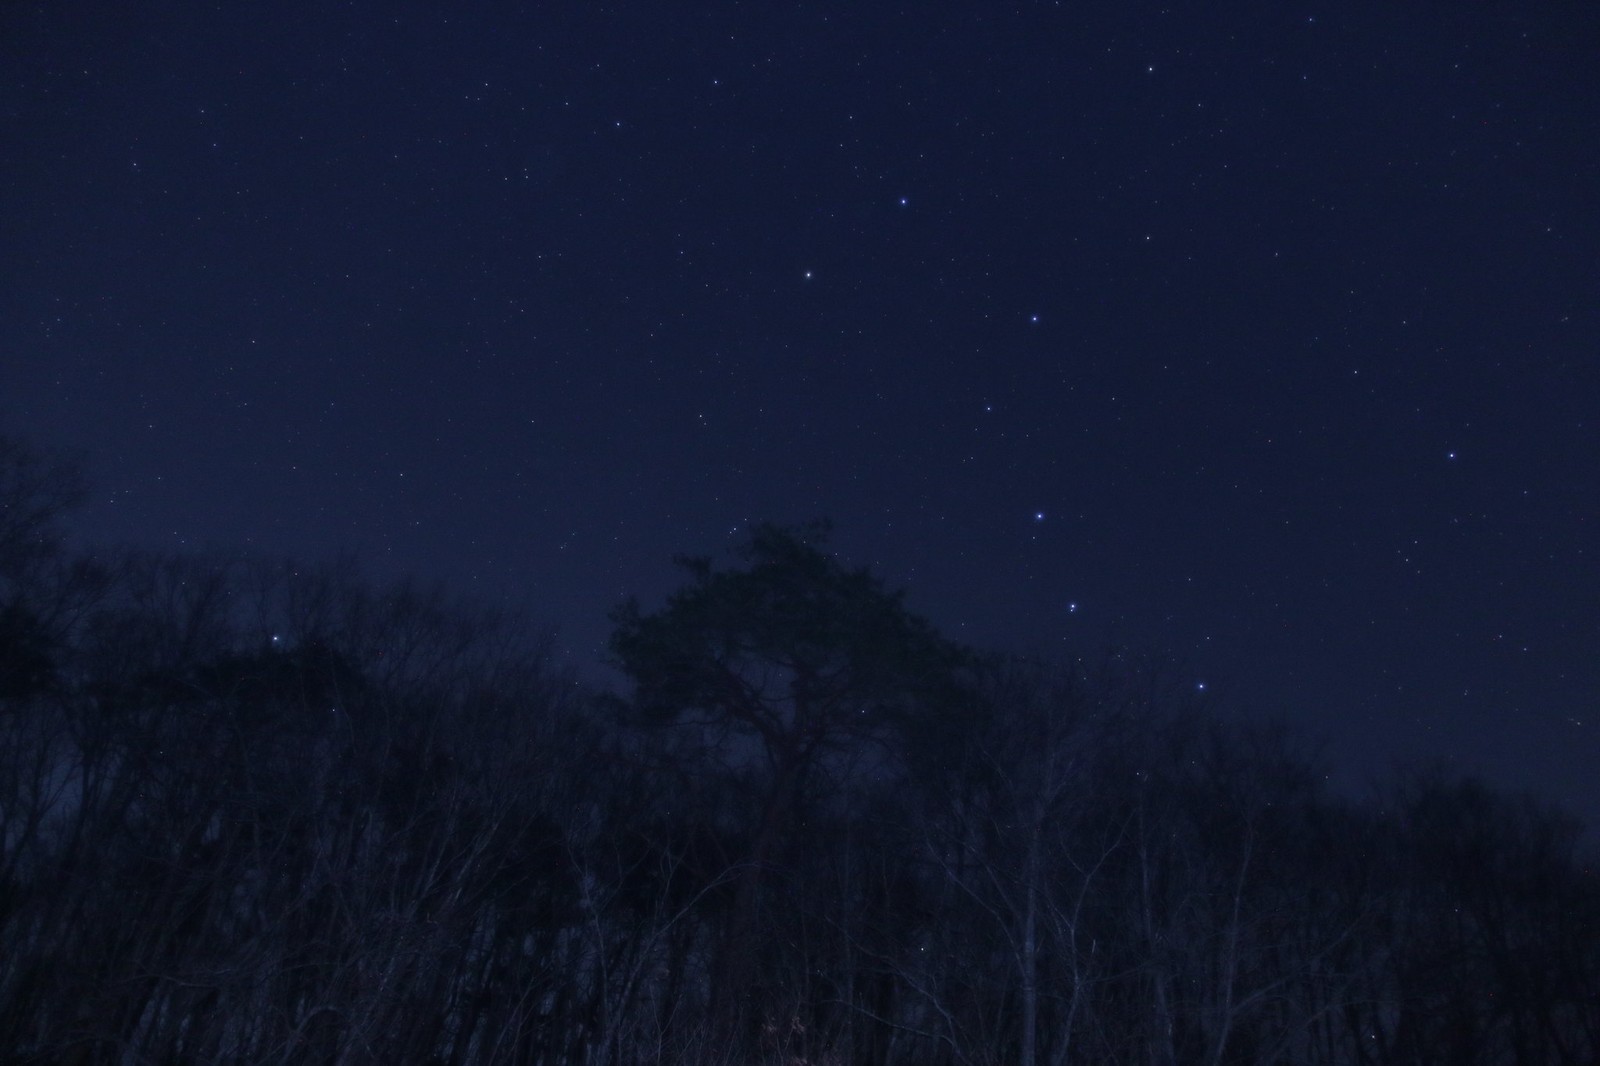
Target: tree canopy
{"x": 793, "y": 647}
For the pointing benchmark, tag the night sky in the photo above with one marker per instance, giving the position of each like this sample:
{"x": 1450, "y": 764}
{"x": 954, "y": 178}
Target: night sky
{"x": 1261, "y": 336}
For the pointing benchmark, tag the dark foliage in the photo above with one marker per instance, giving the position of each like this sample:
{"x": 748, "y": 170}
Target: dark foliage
{"x": 279, "y": 815}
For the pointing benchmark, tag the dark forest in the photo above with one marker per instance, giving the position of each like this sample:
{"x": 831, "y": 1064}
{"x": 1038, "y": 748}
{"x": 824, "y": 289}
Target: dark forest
{"x": 277, "y": 813}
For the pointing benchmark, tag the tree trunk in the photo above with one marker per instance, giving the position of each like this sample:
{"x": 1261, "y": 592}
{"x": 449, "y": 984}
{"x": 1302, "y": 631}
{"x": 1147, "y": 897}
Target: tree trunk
{"x": 737, "y": 971}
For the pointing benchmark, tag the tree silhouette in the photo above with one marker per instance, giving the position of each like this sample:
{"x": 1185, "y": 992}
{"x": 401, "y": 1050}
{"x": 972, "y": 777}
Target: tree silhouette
{"x": 802, "y": 658}
{"x": 265, "y": 812}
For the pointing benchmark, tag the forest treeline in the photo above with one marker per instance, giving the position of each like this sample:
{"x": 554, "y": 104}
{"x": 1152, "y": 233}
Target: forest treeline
{"x": 279, "y": 814}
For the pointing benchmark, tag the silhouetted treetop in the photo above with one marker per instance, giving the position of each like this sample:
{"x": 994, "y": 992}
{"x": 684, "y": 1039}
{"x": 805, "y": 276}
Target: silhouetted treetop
{"x": 36, "y": 489}
{"x": 793, "y": 645}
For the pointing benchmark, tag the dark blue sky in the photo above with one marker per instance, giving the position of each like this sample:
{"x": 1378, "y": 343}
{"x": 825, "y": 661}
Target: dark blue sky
{"x": 1263, "y": 336}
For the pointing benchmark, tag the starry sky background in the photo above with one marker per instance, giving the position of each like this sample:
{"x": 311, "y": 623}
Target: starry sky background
{"x": 1260, "y": 336}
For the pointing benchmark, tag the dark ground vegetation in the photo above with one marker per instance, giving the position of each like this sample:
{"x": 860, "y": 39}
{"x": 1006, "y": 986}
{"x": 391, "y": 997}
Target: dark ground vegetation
{"x": 275, "y": 814}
